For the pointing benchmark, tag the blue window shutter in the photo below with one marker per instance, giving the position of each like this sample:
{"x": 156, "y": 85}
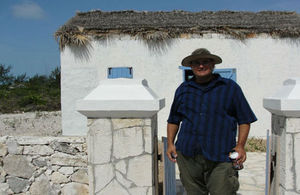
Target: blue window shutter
{"x": 120, "y": 72}
{"x": 229, "y": 73}
{"x": 187, "y": 72}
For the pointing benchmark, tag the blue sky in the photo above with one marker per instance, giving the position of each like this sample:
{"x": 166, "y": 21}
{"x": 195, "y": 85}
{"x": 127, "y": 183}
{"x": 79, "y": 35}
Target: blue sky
{"x": 27, "y": 26}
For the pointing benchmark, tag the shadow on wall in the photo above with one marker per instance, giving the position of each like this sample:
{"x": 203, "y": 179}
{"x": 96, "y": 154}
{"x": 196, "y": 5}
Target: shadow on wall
{"x": 81, "y": 52}
{"x": 158, "y": 46}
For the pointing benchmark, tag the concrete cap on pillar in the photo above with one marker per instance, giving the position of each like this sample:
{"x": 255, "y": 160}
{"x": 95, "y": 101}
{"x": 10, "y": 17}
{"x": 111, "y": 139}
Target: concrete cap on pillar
{"x": 286, "y": 101}
{"x": 119, "y": 98}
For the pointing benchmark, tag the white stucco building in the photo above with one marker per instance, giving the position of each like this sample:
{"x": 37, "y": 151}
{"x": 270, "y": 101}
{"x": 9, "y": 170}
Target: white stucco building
{"x": 262, "y": 48}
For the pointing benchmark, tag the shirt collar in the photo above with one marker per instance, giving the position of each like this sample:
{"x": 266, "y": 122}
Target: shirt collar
{"x": 217, "y": 79}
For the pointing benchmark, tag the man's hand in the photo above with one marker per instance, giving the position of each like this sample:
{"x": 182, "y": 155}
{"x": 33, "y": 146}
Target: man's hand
{"x": 172, "y": 130}
{"x": 242, "y": 138}
{"x": 242, "y": 154}
{"x": 171, "y": 152}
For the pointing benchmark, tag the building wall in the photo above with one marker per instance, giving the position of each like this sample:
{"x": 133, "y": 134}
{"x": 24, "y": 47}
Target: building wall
{"x": 262, "y": 65}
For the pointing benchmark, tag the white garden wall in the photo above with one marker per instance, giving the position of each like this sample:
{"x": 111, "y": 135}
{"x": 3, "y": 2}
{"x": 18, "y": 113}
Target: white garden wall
{"x": 43, "y": 165}
{"x": 262, "y": 65}
{"x": 31, "y": 124}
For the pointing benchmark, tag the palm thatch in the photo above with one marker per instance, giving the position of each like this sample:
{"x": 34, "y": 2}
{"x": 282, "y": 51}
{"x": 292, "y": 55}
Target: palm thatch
{"x": 159, "y": 26}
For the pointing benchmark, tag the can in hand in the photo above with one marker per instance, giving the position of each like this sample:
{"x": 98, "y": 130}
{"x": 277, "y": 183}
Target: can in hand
{"x": 233, "y": 156}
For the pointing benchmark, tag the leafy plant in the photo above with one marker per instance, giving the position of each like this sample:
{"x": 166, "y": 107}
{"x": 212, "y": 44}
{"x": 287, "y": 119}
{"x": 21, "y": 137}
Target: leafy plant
{"x": 5, "y": 77}
{"x": 23, "y": 94}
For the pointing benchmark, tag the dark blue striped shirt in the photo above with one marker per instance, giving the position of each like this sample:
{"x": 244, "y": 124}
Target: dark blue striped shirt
{"x": 208, "y": 116}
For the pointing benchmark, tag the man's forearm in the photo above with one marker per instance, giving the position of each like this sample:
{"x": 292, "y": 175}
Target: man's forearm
{"x": 172, "y": 130}
{"x": 243, "y": 134}
{"x": 242, "y": 138}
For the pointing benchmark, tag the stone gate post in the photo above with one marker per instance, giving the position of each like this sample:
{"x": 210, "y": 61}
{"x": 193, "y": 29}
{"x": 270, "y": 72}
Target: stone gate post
{"x": 122, "y": 136}
{"x": 285, "y": 145}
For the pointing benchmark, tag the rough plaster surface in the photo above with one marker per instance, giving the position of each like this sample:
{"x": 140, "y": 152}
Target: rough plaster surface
{"x": 260, "y": 71}
{"x": 286, "y": 100}
{"x": 120, "y": 98}
{"x": 79, "y": 82}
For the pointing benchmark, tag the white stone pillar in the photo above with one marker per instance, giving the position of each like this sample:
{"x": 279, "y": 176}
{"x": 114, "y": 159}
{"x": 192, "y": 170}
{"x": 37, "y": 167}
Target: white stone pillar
{"x": 285, "y": 149}
{"x": 122, "y": 136}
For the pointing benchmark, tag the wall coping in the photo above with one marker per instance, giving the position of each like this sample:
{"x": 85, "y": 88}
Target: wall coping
{"x": 286, "y": 101}
{"x": 121, "y": 97}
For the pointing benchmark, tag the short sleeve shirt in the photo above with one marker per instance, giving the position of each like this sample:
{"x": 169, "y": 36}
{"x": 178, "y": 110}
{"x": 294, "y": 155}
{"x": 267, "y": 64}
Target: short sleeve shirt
{"x": 208, "y": 117}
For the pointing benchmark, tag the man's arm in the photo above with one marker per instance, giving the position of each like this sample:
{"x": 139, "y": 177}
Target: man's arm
{"x": 242, "y": 138}
{"x": 172, "y": 130}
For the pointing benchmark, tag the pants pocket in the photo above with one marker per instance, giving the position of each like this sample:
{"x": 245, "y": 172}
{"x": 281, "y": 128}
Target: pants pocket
{"x": 233, "y": 179}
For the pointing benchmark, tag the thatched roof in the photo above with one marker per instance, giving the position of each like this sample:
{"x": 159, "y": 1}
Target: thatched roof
{"x": 158, "y": 26}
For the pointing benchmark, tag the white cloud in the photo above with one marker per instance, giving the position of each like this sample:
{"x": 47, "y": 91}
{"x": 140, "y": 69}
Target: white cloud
{"x": 28, "y": 10}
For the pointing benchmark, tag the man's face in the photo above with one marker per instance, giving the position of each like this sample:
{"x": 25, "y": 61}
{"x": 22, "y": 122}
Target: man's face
{"x": 202, "y": 67}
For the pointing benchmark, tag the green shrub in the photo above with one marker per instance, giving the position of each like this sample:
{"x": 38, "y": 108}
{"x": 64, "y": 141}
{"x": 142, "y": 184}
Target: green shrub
{"x": 31, "y": 99}
{"x": 24, "y": 94}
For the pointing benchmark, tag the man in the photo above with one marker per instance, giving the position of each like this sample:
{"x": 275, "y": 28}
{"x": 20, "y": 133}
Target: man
{"x": 208, "y": 109}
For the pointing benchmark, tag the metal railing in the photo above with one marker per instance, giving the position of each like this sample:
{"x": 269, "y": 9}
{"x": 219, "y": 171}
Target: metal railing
{"x": 267, "y": 187}
{"x": 169, "y": 177}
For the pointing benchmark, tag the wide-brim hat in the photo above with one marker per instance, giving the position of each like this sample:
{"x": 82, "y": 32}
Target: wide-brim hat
{"x": 200, "y": 53}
